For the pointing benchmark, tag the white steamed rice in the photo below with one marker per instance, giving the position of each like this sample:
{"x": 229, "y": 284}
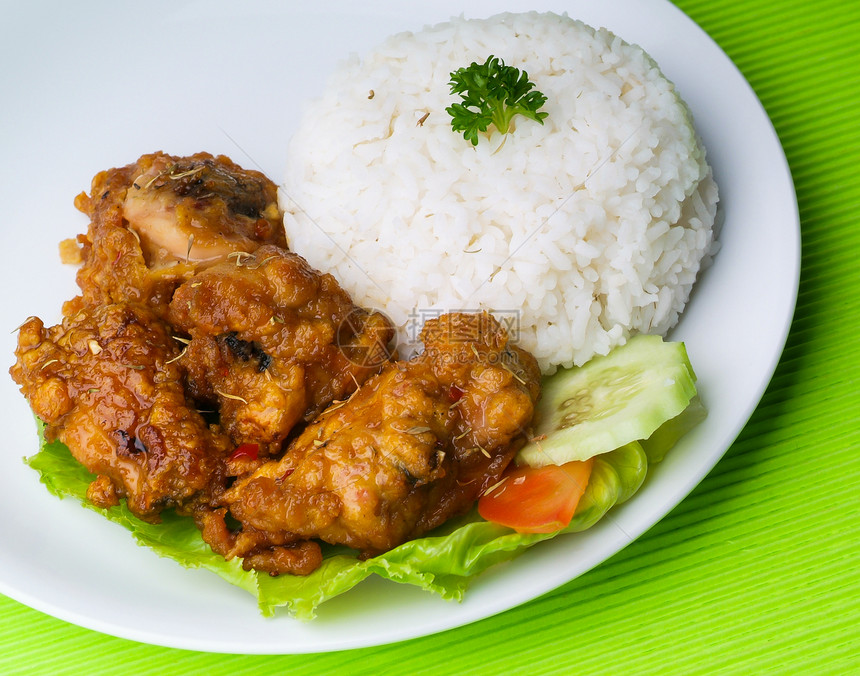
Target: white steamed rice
{"x": 576, "y": 233}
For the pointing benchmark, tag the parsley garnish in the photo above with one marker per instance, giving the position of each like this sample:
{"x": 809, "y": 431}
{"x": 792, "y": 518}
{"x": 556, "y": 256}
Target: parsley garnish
{"x": 492, "y": 93}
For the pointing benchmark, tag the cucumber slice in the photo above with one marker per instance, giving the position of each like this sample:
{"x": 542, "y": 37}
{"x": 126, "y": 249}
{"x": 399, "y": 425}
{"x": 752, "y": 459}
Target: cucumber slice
{"x": 610, "y": 401}
{"x": 658, "y": 444}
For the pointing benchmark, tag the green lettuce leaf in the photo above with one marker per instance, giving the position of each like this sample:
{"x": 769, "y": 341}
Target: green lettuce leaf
{"x": 176, "y": 537}
{"x": 442, "y": 562}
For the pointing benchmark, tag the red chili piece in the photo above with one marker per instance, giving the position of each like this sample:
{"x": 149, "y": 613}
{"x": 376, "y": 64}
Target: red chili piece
{"x": 245, "y": 452}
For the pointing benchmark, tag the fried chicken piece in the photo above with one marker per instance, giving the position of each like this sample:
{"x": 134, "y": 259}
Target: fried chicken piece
{"x": 105, "y": 382}
{"x": 265, "y": 552}
{"x": 273, "y": 342}
{"x": 495, "y": 408}
{"x": 155, "y": 222}
{"x": 414, "y": 446}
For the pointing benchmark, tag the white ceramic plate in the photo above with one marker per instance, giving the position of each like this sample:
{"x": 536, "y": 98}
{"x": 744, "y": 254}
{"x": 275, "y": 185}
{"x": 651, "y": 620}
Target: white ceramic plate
{"x": 87, "y": 89}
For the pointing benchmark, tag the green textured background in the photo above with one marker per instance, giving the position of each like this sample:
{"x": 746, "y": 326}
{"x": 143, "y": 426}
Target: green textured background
{"x": 757, "y": 570}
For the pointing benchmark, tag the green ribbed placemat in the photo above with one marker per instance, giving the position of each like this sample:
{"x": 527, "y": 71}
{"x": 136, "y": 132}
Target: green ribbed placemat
{"x": 757, "y": 570}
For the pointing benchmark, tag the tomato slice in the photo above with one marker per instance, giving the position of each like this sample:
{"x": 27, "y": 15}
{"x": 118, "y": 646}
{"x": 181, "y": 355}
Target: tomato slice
{"x": 536, "y": 500}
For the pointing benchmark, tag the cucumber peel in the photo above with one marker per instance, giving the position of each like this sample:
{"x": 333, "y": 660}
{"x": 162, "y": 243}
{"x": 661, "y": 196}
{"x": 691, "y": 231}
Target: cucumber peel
{"x": 667, "y": 435}
{"x": 614, "y": 400}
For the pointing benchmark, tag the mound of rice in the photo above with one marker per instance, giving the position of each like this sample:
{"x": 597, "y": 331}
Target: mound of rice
{"x": 575, "y": 233}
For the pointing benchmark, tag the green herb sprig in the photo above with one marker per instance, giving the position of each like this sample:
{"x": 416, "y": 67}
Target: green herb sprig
{"x": 492, "y": 93}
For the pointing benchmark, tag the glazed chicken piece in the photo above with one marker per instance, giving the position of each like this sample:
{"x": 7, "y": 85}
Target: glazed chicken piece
{"x": 495, "y": 407}
{"x": 273, "y": 342}
{"x": 155, "y": 222}
{"x": 414, "y": 446}
{"x": 105, "y": 382}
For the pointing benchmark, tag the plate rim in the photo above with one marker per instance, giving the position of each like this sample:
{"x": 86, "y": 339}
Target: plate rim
{"x": 469, "y": 614}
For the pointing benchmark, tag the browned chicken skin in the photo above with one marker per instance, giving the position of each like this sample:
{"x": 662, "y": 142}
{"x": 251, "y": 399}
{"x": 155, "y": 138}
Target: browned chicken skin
{"x": 190, "y": 299}
{"x": 273, "y": 342}
{"x": 414, "y": 446}
{"x": 106, "y": 383}
{"x": 155, "y": 222}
